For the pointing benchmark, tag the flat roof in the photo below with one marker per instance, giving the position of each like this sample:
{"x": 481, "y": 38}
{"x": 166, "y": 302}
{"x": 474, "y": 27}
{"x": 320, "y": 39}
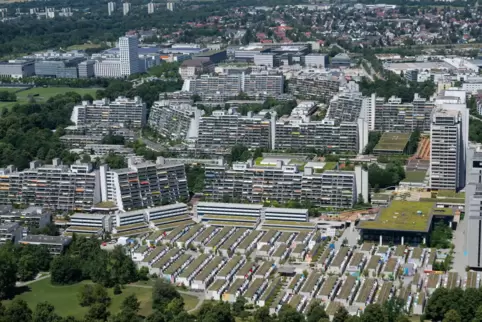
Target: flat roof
{"x": 44, "y": 239}
{"x": 253, "y": 287}
{"x": 402, "y": 216}
{"x": 264, "y": 268}
{"x": 267, "y": 237}
{"x": 166, "y": 258}
{"x": 295, "y": 300}
{"x": 191, "y": 232}
{"x": 228, "y": 205}
{"x": 416, "y": 253}
{"x": 384, "y": 292}
{"x": 249, "y": 239}
{"x": 218, "y": 223}
{"x": 280, "y": 250}
{"x": 347, "y": 287}
{"x": 294, "y": 281}
{"x": 269, "y": 290}
{"x": 177, "y": 264}
{"x": 150, "y": 256}
{"x": 453, "y": 280}
{"x": 400, "y": 250}
{"x": 364, "y": 291}
{"x": 433, "y": 281}
{"x": 390, "y": 265}
{"x": 301, "y": 236}
{"x": 286, "y": 210}
{"x": 333, "y": 308}
{"x": 229, "y": 265}
{"x": 204, "y": 234}
{"x": 310, "y": 283}
{"x": 415, "y": 176}
{"x": 284, "y": 237}
{"x": 195, "y": 264}
{"x": 328, "y": 285}
{"x": 216, "y": 286}
{"x": 366, "y": 247}
{"x": 471, "y": 280}
{"x": 245, "y": 268}
{"x": 235, "y": 286}
{"x": 217, "y": 238}
{"x": 340, "y": 256}
{"x": 201, "y": 276}
{"x": 233, "y": 238}
{"x": 373, "y": 262}
{"x": 356, "y": 259}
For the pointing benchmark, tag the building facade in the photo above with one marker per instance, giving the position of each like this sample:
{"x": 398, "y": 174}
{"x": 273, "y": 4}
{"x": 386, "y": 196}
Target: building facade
{"x": 129, "y": 55}
{"x": 473, "y": 207}
{"x": 446, "y": 150}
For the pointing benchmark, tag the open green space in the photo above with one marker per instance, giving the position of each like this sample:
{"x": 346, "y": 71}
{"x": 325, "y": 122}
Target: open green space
{"x": 41, "y": 94}
{"x": 414, "y": 176}
{"x": 402, "y": 215}
{"x": 450, "y": 194}
{"x": 65, "y": 300}
{"x": 393, "y": 142}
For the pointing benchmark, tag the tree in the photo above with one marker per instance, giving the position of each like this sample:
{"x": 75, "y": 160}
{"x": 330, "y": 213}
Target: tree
{"x": 478, "y": 315}
{"x": 289, "y": 314}
{"x": 393, "y": 309}
{"x": 8, "y": 268}
{"x": 215, "y": 312}
{"x": 18, "y": 310}
{"x": 65, "y": 270}
{"x": 86, "y": 295}
{"x": 143, "y": 273}
{"x": 27, "y": 267}
{"x": 45, "y": 312}
{"x": 117, "y": 290}
{"x": 441, "y": 236}
{"x": 238, "y": 306}
{"x": 452, "y": 316}
{"x": 373, "y": 313}
{"x": 130, "y": 303}
{"x": 262, "y": 315}
{"x": 341, "y": 315}
{"x": 130, "y": 307}
{"x": 163, "y": 293}
{"x": 315, "y": 313}
{"x": 97, "y": 312}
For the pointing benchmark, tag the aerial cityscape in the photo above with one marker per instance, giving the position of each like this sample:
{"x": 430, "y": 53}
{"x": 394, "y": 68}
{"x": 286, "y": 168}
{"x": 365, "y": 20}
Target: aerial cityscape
{"x": 264, "y": 161}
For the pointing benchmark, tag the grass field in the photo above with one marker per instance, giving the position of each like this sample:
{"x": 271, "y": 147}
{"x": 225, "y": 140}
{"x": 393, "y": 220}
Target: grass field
{"x": 414, "y": 176}
{"x": 402, "y": 215}
{"x": 393, "y": 142}
{"x": 44, "y": 93}
{"x": 65, "y": 300}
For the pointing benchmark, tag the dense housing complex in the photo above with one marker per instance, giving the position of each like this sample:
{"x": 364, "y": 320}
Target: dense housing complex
{"x": 175, "y": 119}
{"x": 226, "y": 130}
{"x": 144, "y": 184}
{"x": 51, "y": 186}
{"x": 282, "y": 182}
{"x": 314, "y": 85}
{"x": 131, "y": 113}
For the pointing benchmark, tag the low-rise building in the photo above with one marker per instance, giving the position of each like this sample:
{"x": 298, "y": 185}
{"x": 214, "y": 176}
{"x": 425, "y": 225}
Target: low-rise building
{"x": 10, "y": 232}
{"x": 55, "y": 244}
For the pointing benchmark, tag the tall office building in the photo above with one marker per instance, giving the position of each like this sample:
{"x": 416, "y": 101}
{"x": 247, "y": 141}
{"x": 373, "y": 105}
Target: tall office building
{"x": 473, "y": 206}
{"x": 111, "y": 8}
{"x": 150, "y": 8}
{"x": 129, "y": 55}
{"x": 126, "y": 7}
{"x": 170, "y": 6}
{"x": 446, "y": 150}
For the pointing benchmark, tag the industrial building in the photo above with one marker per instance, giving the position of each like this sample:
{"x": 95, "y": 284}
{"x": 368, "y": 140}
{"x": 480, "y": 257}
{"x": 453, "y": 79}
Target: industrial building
{"x": 17, "y": 68}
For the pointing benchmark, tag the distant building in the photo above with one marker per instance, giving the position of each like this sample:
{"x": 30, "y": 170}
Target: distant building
{"x": 266, "y": 59}
{"x": 340, "y": 60}
{"x": 86, "y": 69}
{"x": 55, "y": 244}
{"x": 129, "y": 55}
{"x": 473, "y": 206}
{"x": 110, "y": 68}
{"x": 316, "y": 61}
{"x": 17, "y": 68}
{"x": 126, "y": 7}
{"x": 10, "y": 232}
{"x": 111, "y": 8}
{"x": 192, "y": 68}
{"x": 150, "y": 8}
{"x": 170, "y": 6}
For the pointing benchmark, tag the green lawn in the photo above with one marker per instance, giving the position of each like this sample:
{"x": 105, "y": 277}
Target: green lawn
{"x": 65, "y": 300}
{"x": 415, "y": 176}
{"x": 402, "y": 215}
{"x": 44, "y": 93}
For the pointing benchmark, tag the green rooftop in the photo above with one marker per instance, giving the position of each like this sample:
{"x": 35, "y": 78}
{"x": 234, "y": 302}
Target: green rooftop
{"x": 393, "y": 142}
{"x": 415, "y": 176}
{"x": 450, "y": 194}
{"x": 402, "y": 215}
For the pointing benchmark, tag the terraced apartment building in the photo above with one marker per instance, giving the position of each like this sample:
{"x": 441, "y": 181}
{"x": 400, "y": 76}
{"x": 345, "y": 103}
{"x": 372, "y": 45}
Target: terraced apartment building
{"x": 54, "y": 186}
{"x": 143, "y": 184}
{"x": 281, "y": 183}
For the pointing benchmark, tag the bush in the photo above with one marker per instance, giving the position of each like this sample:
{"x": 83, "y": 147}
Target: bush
{"x": 117, "y": 290}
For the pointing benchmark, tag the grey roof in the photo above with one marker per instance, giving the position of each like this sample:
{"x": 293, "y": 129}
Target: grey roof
{"x": 44, "y": 239}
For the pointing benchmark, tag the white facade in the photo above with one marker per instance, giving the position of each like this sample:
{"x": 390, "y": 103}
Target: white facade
{"x": 126, "y": 7}
{"x": 227, "y": 209}
{"x": 315, "y": 60}
{"x": 150, "y": 7}
{"x": 107, "y": 68}
{"x": 286, "y": 214}
{"x": 446, "y": 150}
{"x": 111, "y": 8}
{"x": 129, "y": 56}
{"x": 170, "y": 6}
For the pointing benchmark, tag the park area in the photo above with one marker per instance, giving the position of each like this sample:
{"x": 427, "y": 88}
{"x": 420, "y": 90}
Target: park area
{"x": 66, "y": 302}
{"x": 41, "y": 94}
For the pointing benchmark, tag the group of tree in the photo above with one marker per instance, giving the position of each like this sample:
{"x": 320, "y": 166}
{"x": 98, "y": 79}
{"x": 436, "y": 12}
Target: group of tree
{"x": 6, "y": 96}
{"x": 413, "y": 142}
{"x": 21, "y": 262}
{"x": 195, "y": 178}
{"x": 31, "y": 131}
{"x": 85, "y": 260}
{"x": 394, "y": 85}
{"x": 391, "y": 175}
{"x": 373, "y": 138}
{"x": 454, "y": 305}
{"x": 441, "y": 235}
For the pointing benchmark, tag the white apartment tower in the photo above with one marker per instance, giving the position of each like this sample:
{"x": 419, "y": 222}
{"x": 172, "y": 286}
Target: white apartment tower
{"x": 150, "y": 7}
{"x": 111, "y": 8}
{"x": 126, "y": 7}
{"x": 170, "y": 6}
{"x": 129, "y": 56}
{"x": 446, "y": 150}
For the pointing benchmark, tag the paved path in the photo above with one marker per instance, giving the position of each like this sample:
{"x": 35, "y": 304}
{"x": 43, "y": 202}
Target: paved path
{"x": 199, "y": 295}
{"x": 20, "y": 284}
